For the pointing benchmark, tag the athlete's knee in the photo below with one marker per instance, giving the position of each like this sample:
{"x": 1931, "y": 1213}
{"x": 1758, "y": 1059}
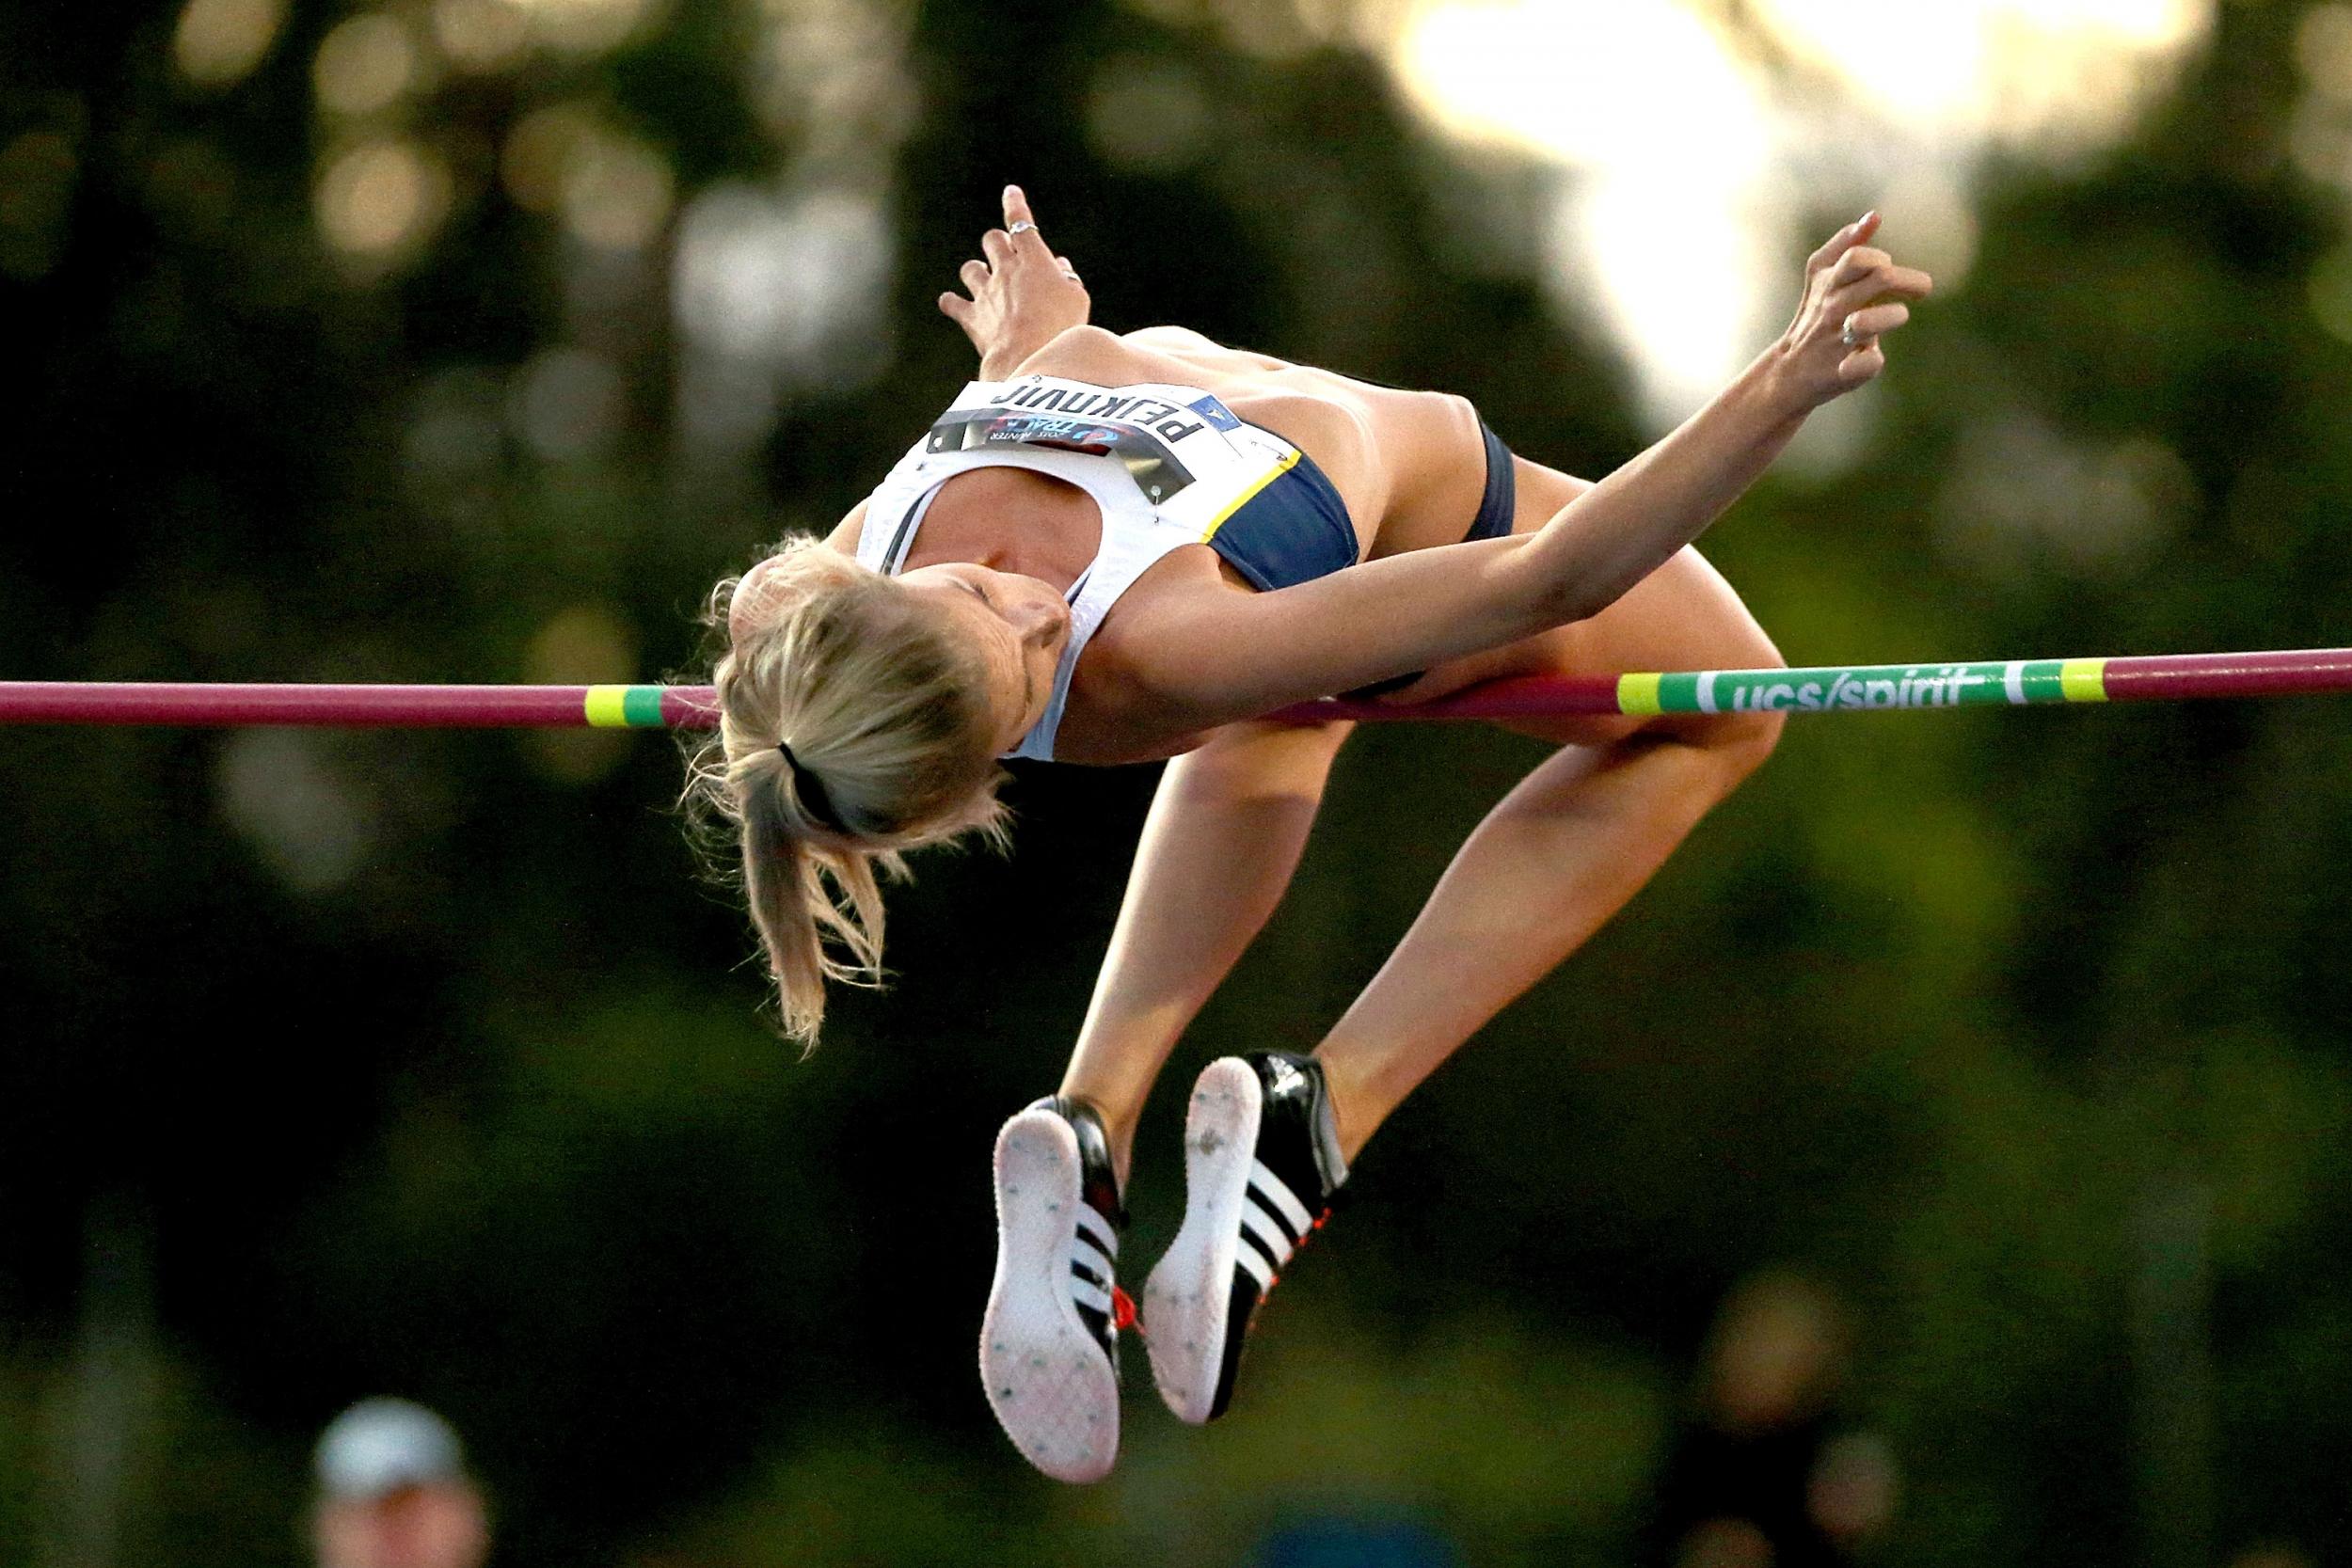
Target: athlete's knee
{"x": 1742, "y": 742}
{"x": 1748, "y": 741}
{"x": 1168, "y": 336}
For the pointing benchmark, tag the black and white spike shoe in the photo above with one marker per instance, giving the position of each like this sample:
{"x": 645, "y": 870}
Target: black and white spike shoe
{"x": 1262, "y": 1160}
{"x": 1049, "y": 1343}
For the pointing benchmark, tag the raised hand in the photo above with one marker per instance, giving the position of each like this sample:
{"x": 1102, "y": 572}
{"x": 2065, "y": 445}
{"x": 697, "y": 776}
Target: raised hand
{"x": 1853, "y": 295}
{"x": 1020, "y": 297}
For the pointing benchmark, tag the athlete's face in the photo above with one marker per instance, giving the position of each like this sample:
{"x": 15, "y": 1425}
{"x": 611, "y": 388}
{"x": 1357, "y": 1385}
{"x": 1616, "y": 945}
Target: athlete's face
{"x": 1018, "y": 623}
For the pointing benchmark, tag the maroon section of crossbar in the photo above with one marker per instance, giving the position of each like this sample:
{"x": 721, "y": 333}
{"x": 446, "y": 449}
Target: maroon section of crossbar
{"x": 2163, "y": 677}
{"x": 340, "y": 707}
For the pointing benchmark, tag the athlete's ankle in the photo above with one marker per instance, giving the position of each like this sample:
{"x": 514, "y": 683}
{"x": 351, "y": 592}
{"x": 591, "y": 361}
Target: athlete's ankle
{"x": 1359, "y": 1102}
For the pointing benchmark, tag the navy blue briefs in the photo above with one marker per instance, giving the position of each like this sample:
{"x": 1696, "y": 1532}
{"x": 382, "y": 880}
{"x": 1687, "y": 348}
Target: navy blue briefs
{"x": 1293, "y": 530}
{"x": 1501, "y": 504}
{"x": 1296, "y": 528}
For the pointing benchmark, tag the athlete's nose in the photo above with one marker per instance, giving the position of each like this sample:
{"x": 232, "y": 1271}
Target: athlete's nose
{"x": 1038, "y": 616}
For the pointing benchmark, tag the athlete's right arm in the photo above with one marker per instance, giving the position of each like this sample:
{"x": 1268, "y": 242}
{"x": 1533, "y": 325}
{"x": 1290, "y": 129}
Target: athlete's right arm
{"x": 1022, "y": 296}
{"x": 1214, "y": 658}
{"x": 845, "y": 534}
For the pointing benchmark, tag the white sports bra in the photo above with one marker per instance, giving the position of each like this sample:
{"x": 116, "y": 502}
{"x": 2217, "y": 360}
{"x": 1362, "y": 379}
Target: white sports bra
{"x": 1166, "y": 465}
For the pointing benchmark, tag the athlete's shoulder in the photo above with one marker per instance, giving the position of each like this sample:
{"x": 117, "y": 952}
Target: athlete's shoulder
{"x": 845, "y": 533}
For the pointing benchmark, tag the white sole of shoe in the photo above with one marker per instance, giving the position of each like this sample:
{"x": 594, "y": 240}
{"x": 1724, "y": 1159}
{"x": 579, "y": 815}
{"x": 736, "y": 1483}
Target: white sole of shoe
{"x": 1190, "y": 1294}
{"x": 1053, "y": 1389}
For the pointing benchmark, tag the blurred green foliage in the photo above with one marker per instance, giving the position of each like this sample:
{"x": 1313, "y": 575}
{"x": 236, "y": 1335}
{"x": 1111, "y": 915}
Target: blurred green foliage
{"x": 346, "y": 1063}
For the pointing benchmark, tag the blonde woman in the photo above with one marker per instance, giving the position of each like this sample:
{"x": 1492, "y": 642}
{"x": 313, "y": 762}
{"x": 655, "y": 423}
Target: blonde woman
{"x": 1123, "y": 548}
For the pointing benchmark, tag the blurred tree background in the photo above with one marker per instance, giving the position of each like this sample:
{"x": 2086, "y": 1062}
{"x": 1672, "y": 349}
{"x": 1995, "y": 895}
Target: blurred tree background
{"x": 474, "y": 339}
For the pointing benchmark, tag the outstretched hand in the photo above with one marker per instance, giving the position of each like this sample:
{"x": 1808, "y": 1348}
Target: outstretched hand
{"x": 1854, "y": 294}
{"x": 1020, "y": 297}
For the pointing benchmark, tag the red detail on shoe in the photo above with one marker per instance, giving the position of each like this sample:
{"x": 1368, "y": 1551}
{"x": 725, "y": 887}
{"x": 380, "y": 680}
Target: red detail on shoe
{"x": 1122, "y": 1310}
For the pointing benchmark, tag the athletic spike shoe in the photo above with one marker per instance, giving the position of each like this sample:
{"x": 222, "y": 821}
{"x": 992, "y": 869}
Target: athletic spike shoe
{"x": 1049, "y": 1343}
{"x": 1261, "y": 1161}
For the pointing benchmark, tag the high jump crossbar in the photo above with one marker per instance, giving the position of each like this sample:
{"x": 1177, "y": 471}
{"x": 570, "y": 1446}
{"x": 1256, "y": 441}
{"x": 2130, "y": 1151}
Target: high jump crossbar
{"x": 1828, "y": 689}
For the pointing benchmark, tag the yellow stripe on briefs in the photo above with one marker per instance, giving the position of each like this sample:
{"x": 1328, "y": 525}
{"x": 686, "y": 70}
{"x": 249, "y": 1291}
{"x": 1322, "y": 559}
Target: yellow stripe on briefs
{"x": 1638, "y": 694}
{"x": 2083, "y": 680}
{"x": 606, "y": 710}
{"x": 1285, "y": 465}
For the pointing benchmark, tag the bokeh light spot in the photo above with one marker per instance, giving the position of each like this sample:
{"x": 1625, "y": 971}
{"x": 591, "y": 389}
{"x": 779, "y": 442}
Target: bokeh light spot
{"x": 617, "y": 192}
{"x": 539, "y": 150}
{"x": 1146, "y": 115}
{"x": 567, "y": 403}
{"x": 219, "y": 42}
{"x": 365, "y": 64}
{"x": 381, "y": 198}
{"x": 583, "y": 26}
{"x": 481, "y": 34}
{"x": 2322, "y": 47}
{"x": 2330, "y": 291}
{"x": 584, "y": 644}
{"x": 281, "y": 791}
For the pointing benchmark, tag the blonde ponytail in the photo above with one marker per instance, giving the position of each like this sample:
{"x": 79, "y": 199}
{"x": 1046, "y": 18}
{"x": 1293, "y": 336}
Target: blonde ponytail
{"x": 852, "y": 727}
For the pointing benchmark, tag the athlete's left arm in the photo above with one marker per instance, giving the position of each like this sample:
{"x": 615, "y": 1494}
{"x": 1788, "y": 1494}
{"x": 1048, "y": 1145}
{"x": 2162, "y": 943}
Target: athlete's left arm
{"x": 1210, "y": 658}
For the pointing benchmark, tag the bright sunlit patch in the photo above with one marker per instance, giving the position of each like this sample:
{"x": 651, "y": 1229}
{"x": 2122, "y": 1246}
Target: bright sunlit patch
{"x": 1668, "y": 135}
{"x": 1692, "y": 163}
{"x": 1971, "y": 67}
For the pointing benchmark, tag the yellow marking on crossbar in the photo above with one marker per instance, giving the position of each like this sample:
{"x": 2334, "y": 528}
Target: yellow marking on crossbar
{"x": 606, "y": 710}
{"x": 2083, "y": 680}
{"x": 1249, "y": 495}
{"x": 1638, "y": 693}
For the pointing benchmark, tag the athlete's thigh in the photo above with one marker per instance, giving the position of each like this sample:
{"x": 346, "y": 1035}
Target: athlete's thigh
{"x": 1682, "y": 616}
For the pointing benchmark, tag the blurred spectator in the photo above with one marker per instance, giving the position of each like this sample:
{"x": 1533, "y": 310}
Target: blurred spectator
{"x": 1764, "y": 1474}
{"x": 393, "y": 1492}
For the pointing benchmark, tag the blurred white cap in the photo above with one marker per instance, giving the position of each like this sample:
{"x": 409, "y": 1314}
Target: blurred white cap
{"x": 382, "y": 1444}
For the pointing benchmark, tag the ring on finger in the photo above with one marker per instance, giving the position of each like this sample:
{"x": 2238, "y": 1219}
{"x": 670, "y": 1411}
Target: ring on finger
{"x": 1850, "y": 337}
{"x": 1021, "y": 227}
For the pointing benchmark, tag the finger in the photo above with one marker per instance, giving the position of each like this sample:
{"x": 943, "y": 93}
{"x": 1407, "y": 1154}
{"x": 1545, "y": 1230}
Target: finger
{"x": 1857, "y": 261}
{"x": 1874, "y": 321}
{"x": 1871, "y": 288}
{"x": 973, "y": 273}
{"x": 1861, "y": 365}
{"x": 1843, "y": 241}
{"x": 954, "y": 308}
{"x": 998, "y": 245}
{"x": 1017, "y": 211}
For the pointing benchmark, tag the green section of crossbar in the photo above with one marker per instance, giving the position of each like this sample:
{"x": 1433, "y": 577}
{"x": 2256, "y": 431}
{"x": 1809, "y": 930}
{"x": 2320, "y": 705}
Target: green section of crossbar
{"x": 2015, "y": 683}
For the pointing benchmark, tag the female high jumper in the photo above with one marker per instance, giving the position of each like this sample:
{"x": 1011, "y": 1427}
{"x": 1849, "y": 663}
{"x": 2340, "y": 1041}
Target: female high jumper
{"x": 1120, "y": 548}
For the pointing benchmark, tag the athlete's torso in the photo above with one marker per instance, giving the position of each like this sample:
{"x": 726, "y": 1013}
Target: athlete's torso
{"x": 1166, "y": 467}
